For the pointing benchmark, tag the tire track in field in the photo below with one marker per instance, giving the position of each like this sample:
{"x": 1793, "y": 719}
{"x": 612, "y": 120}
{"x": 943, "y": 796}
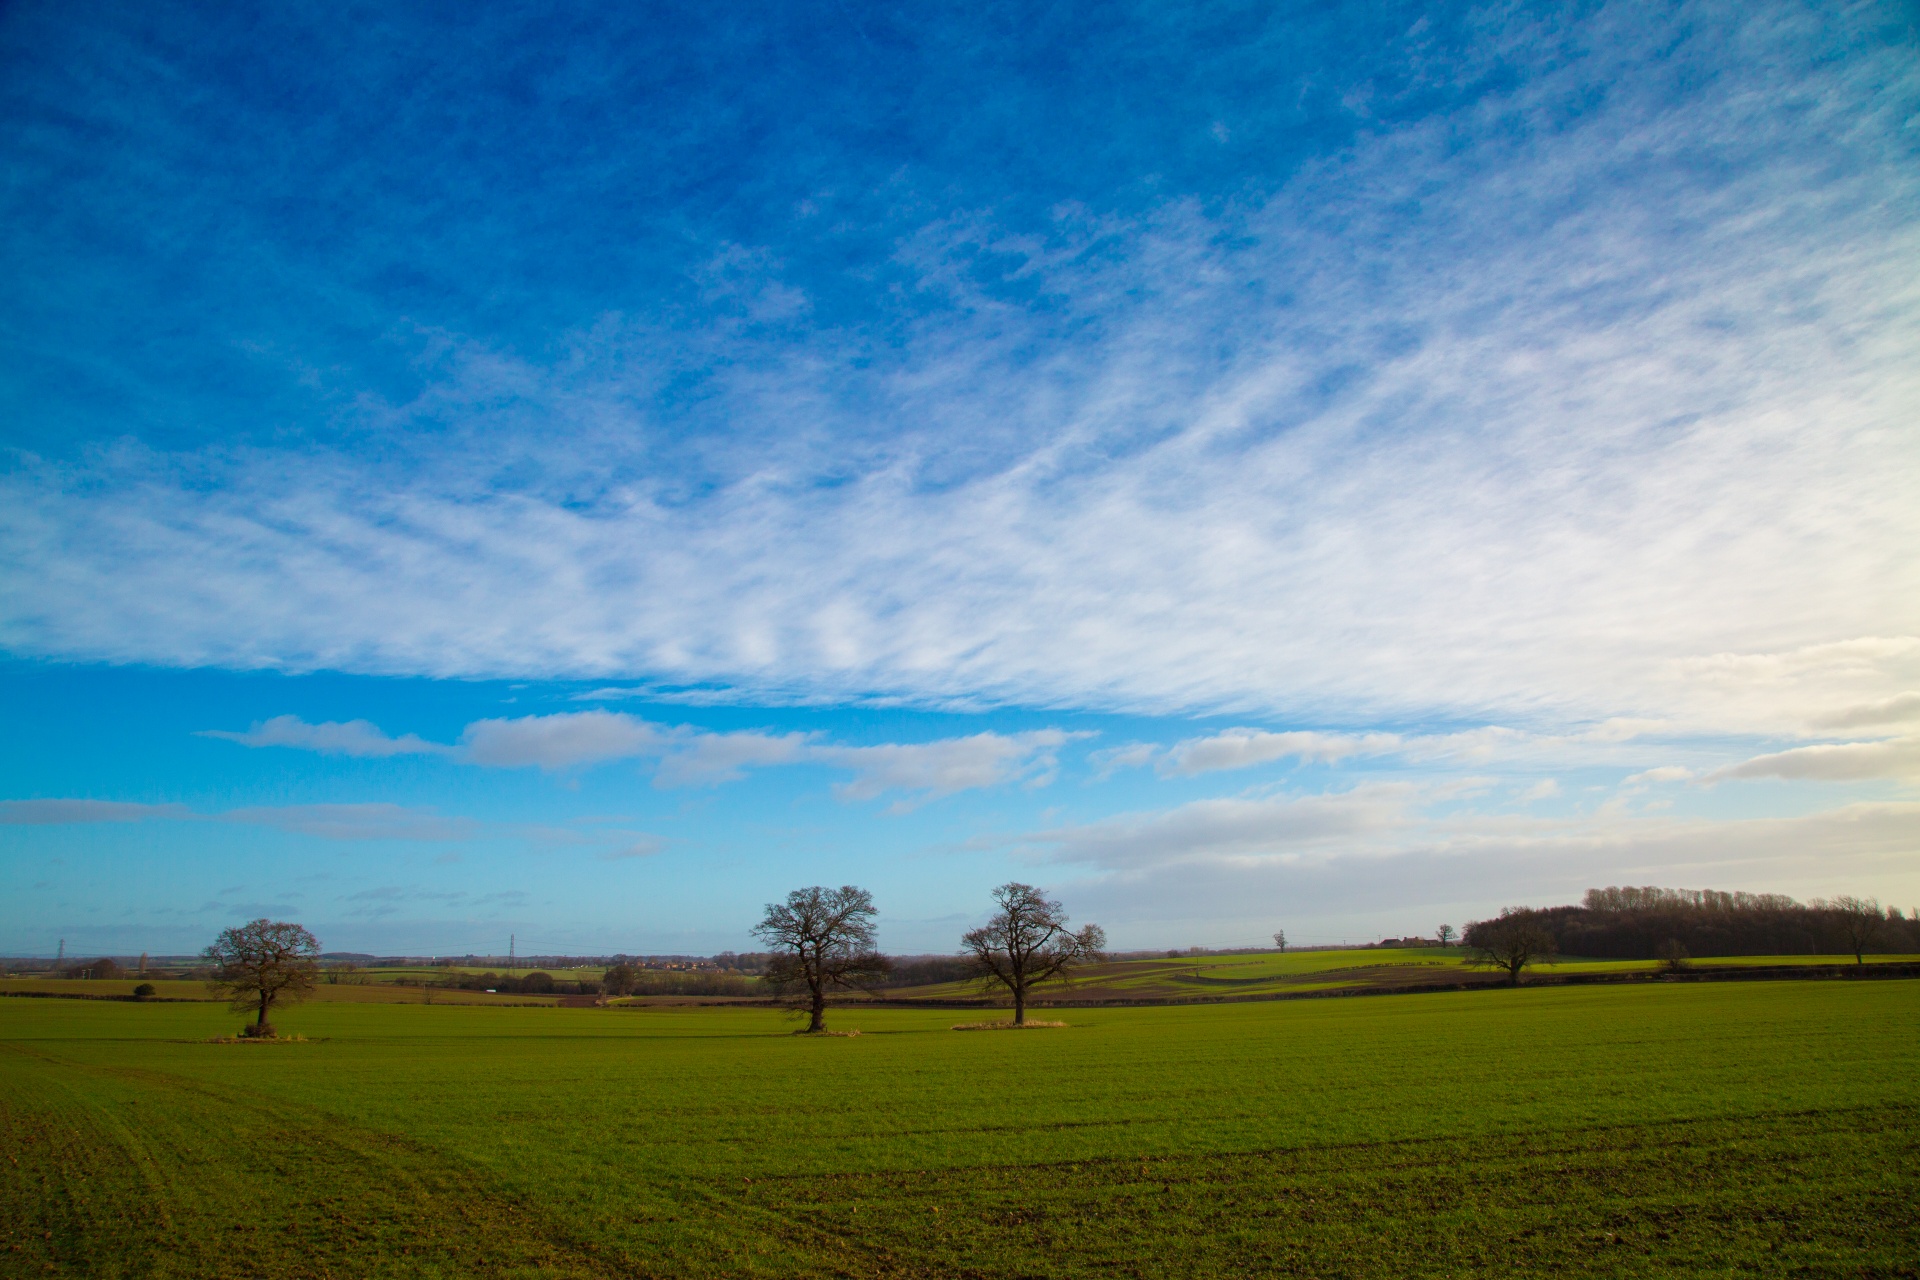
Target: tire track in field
{"x": 254, "y": 1187}
{"x": 1814, "y": 1192}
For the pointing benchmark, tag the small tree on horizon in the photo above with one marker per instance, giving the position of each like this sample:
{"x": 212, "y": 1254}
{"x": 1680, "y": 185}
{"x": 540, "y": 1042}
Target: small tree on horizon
{"x": 822, "y": 939}
{"x": 1280, "y": 939}
{"x": 1860, "y": 921}
{"x": 1026, "y": 942}
{"x": 1446, "y": 934}
{"x": 1511, "y": 942}
{"x": 262, "y": 963}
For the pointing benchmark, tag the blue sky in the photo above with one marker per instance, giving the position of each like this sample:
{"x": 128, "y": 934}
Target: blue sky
{"x": 581, "y": 474}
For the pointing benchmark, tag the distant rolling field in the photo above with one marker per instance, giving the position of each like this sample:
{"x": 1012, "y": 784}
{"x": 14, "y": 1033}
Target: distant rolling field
{"x": 1245, "y": 975}
{"x": 1762, "y": 1128}
{"x": 1265, "y": 973}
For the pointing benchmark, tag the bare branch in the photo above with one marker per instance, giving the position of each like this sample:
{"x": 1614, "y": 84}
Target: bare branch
{"x": 1028, "y": 942}
{"x": 823, "y": 940}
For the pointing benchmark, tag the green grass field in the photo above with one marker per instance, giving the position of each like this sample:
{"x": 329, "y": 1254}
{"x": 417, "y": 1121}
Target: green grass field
{"x": 1760, "y": 1129}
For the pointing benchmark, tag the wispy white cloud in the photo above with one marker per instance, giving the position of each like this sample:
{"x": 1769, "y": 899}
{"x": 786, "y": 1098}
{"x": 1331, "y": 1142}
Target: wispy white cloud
{"x": 1242, "y": 748}
{"x": 1110, "y": 760}
{"x": 1897, "y": 758}
{"x": 561, "y": 741}
{"x": 645, "y": 847}
{"x": 702, "y": 759}
{"x": 932, "y": 769}
{"x": 1232, "y": 828}
{"x": 1899, "y": 709}
{"x": 329, "y": 821}
{"x": 692, "y": 757}
{"x": 59, "y": 812}
{"x": 349, "y": 738}
{"x": 356, "y": 821}
{"x": 1663, "y": 773}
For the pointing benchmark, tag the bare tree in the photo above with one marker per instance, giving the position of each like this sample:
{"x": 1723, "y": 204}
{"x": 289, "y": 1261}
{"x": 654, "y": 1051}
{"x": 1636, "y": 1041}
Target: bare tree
{"x": 1026, "y": 942}
{"x": 821, "y": 939}
{"x": 1280, "y": 939}
{"x": 1511, "y": 942}
{"x": 1860, "y": 921}
{"x": 257, "y": 965}
{"x": 1673, "y": 956}
{"x": 1446, "y": 935}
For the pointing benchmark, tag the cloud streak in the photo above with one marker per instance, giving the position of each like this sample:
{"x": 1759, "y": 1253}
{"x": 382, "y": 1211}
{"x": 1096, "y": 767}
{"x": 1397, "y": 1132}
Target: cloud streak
{"x": 62, "y": 812}
{"x": 356, "y": 822}
{"x": 560, "y": 741}
{"x": 1243, "y": 748}
{"x": 1210, "y": 830}
{"x": 693, "y": 757}
{"x": 328, "y": 821}
{"x": 1897, "y": 758}
{"x": 352, "y": 738}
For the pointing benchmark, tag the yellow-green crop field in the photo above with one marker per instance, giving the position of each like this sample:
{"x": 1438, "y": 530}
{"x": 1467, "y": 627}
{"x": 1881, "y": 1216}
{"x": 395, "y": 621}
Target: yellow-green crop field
{"x": 1722, "y": 1129}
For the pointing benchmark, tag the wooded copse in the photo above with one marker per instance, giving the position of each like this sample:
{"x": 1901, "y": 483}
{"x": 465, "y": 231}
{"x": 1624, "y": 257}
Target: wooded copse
{"x": 1634, "y": 923}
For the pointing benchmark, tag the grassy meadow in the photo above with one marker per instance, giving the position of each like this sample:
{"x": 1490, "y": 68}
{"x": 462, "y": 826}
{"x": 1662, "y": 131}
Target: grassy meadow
{"x": 1726, "y": 1129}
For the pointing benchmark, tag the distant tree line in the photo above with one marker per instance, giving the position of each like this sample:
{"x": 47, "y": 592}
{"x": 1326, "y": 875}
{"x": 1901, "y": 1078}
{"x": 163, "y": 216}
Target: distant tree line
{"x": 620, "y": 980}
{"x": 104, "y": 967}
{"x": 925, "y": 971}
{"x": 1650, "y": 923}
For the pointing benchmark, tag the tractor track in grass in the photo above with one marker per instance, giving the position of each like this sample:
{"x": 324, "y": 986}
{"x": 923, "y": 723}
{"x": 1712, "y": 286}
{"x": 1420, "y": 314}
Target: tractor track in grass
{"x": 144, "y": 1173}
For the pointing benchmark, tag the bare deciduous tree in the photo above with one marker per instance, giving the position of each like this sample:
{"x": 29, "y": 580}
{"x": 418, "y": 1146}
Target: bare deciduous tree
{"x": 1511, "y": 942}
{"x": 1673, "y": 956}
{"x": 1280, "y": 939}
{"x": 1446, "y": 934}
{"x": 1860, "y": 921}
{"x": 822, "y": 939}
{"x": 1026, "y": 942}
{"x": 257, "y": 965}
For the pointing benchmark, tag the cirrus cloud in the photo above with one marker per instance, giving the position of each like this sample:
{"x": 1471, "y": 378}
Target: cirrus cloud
{"x": 1242, "y": 748}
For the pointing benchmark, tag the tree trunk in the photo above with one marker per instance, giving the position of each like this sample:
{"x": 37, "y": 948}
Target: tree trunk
{"x": 261, "y": 1021}
{"x": 1019, "y": 1006}
{"x": 818, "y": 1020}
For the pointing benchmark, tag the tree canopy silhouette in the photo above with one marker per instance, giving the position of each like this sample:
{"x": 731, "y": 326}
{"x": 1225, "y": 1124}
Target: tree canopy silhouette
{"x": 822, "y": 940}
{"x": 259, "y": 964}
{"x": 1026, "y": 942}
